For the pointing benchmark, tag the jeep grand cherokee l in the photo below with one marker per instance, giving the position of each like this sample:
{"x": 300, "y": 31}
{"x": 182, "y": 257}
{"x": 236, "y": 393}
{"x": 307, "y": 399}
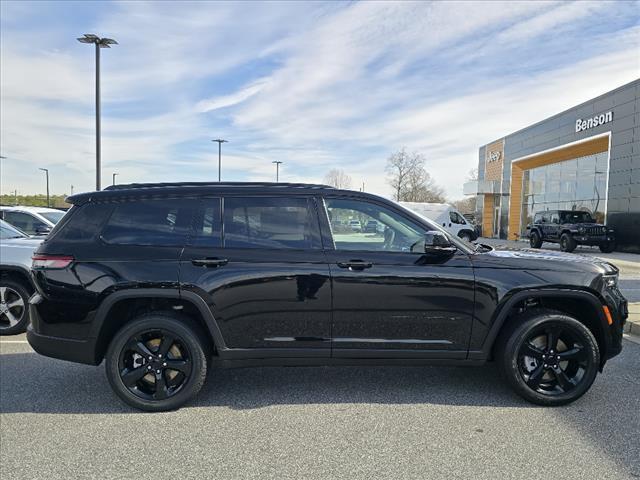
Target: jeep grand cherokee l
{"x": 165, "y": 281}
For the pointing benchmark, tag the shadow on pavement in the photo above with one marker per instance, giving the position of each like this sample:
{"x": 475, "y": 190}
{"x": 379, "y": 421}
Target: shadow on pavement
{"x": 34, "y": 384}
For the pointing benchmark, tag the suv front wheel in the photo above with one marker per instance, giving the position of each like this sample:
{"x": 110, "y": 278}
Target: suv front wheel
{"x": 157, "y": 362}
{"x": 534, "y": 240}
{"x": 549, "y": 358}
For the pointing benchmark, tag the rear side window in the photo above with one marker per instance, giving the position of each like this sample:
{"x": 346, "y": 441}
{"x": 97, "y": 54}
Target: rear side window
{"x": 273, "y": 222}
{"x": 83, "y": 224}
{"x": 207, "y": 224}
{"x": 25, "y": 222}
{"x": 162, "y": 222}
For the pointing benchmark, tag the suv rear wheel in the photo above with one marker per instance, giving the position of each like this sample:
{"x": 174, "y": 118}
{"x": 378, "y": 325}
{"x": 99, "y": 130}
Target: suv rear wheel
{"x": 549, "y": 358}
{"x": 14, "y": 307}
{"x": 157, "y": 362}
{"x": 567, "y": 243}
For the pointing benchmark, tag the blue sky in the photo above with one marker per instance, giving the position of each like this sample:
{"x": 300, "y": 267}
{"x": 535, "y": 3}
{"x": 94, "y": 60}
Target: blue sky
{"x": 315, "y": 85}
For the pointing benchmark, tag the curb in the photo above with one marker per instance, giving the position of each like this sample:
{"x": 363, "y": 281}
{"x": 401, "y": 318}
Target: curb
{"x": 632, "y": 327}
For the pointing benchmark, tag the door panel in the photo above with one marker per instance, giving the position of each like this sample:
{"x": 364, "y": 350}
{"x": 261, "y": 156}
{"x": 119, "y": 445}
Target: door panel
{"x": 263, "y": 293}
{"x": 390, "y": 300}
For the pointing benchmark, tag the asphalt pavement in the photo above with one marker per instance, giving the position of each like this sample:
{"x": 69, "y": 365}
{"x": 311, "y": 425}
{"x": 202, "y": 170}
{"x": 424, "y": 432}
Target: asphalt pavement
{"x": 60, "y": 420}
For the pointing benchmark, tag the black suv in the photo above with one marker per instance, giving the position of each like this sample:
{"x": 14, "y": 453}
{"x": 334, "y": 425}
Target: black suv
{"x": 165, "y": 281}
{"x": 570, "y": 228}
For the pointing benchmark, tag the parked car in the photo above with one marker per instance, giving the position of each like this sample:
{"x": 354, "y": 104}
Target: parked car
{"x": 31, "y": 220}
{"x": 166, "y": 281}
{"x": 355, "y": 225}
{"x": 446, "y": 216}
{"x": 371, "y": 226}
{"x": 570, "y": 228}
{"x": 16, "y": 249}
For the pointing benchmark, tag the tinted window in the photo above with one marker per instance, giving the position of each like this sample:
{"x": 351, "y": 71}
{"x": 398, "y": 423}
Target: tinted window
{"x": 53, "y": 217}
{"x": 83, "y": 224}
{"x": 25, "y": 222}
{"x": 150, "y": 222}
{"x": 207, "y": 225}
{"x": 7, "y": 231}
{"x": 395, "y": 233}
{"x": 257, "y": 222}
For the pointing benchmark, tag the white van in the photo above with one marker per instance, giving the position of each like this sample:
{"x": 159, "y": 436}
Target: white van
{"x": 446, "y": 216}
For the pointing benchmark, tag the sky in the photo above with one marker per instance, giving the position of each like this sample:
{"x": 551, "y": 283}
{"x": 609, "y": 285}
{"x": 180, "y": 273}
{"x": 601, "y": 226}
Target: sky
{"x": 315, "y": 85}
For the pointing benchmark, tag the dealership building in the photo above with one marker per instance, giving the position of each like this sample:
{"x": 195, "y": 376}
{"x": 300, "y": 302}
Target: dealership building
{"x": 585, "y": 158}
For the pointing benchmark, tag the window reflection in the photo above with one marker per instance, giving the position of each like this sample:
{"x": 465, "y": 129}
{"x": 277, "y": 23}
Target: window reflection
{"x": 577, "y": 184}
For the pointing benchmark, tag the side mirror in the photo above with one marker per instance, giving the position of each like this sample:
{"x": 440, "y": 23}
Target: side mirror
{"x": 43, "y": 230}
{"x": 437, "y": 243}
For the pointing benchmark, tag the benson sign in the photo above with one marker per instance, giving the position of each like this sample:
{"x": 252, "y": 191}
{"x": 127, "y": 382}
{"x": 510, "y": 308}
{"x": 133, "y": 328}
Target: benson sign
{"x": 593, "y": 122}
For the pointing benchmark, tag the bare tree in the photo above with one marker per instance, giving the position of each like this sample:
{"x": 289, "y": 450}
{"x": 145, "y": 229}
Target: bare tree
{"x": 337, "y": 178}
{"x": 468, "y": 204}
{"x": 410, "y": 180}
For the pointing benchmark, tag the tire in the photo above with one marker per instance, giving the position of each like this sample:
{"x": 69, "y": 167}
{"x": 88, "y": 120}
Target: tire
{"x": 534, "y": 240}
{"x": 14, "y": 307}
{"x": 567, "y": 243}
{"x": 466, "y": 236}
{"x": 608, "y": 246}
{"x": 548, "y": 384}
{"x": 135, "y": 356}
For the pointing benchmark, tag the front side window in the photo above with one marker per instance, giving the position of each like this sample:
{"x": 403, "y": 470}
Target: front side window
{"x": 393, "y": 232}
{"x": 162, "y": 222}
{"x": 270, "y": 222}
{"x": 25, "y": 222}
{"x": 456, "y": 218}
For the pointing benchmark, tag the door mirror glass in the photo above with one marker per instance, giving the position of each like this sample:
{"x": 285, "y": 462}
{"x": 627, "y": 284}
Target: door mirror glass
{"x": 43, "y": 229}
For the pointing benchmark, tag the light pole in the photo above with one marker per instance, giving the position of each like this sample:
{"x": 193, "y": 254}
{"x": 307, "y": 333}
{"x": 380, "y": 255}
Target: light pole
{"x": 277, "y": 162}
{"x": 99, "y": 43}
{"x": 115, "y": 174}
{"x": 220, "y": 142}
{"x": 71, "y": 189}
{"x": 46, "y": 171}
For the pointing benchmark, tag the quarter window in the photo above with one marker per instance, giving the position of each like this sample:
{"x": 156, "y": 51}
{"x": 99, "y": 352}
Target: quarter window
{"x": 150, "y": 222}
{"x": 385, "y": 230}
{"x": 270, "y": 222}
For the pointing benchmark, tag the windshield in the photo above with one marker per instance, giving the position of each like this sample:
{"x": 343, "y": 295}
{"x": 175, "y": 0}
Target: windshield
{"x": 53, "y": 217}
{"x": 576, "y": 217}
{"x": 7, "y": 231}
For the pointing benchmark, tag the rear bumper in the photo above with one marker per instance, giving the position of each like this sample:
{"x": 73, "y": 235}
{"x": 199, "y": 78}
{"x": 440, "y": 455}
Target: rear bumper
{"x": 73, "y": 350}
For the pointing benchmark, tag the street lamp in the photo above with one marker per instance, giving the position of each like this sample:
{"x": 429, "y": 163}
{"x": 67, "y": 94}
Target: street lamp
{"x": 220, "y": 142}
{"x": 46, "y": 171}
{"x": 115, "y": 174}
{"x": 277, "y": 162}
{"x": 99, "y": 43}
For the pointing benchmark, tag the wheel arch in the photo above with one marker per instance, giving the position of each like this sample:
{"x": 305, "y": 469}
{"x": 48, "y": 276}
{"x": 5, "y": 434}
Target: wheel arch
{"x": 19, "y": 274}
{"x": 121, "y": 307}
{"x": 585, "y": 306}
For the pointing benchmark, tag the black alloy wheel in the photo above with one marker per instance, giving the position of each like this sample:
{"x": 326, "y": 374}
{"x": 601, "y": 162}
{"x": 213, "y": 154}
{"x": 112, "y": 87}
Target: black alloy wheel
{"x": 157, "y": 362}
{"x": 549, "y": 358}
{"x": 14, "y": 307}
{"x": 608, "y": 246}
{"x": 534, "y": 240}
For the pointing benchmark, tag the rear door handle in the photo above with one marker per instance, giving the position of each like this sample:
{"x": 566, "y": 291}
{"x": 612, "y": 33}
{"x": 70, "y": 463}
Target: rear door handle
{"x": 355, "y": 265}
{"x": 209, "y": 262}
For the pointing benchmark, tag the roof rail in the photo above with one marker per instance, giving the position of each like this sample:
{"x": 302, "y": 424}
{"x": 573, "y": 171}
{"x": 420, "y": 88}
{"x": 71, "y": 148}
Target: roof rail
{"x": 128, "y": 186}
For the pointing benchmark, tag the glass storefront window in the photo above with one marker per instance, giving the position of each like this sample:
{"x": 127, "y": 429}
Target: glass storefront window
{"x": 576, "y": 184}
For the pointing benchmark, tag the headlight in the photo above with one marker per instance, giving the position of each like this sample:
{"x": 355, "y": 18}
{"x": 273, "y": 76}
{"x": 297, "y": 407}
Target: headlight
{"x": 610, "y": 281}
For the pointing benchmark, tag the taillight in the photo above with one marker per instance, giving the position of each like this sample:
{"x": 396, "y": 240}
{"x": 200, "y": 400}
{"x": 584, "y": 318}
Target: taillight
{"x": 51, "y": 261}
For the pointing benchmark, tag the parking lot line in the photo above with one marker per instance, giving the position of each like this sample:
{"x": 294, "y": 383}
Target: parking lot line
{"x": 13, "y": 341}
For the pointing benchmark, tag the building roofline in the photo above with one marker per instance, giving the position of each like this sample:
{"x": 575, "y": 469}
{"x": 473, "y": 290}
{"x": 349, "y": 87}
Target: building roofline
{"x": 594, "y": 99}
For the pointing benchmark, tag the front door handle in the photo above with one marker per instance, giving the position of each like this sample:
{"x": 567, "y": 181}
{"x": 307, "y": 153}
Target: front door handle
{"x": 355, "y": 265}
{"x": 209, "y": 262}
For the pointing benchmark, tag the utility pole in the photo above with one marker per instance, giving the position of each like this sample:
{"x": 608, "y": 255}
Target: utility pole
{"x": 115, "y": 174}
{"x": 277, "y": 162}
{"x": 99, "y": 43}
{"x": 71, "y": 190}
{"x": 46, "y": 171}
{"x": 220, "y": 142}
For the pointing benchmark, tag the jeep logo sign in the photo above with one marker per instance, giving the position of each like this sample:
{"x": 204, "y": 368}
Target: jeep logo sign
{"x": 494, "y": 156}
{"x": 593, "y": 122}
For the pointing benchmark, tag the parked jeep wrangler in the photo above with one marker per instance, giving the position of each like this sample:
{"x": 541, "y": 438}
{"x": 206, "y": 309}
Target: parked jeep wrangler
{"x": 570, "y": 228}
{"x": 165, "y": 281}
